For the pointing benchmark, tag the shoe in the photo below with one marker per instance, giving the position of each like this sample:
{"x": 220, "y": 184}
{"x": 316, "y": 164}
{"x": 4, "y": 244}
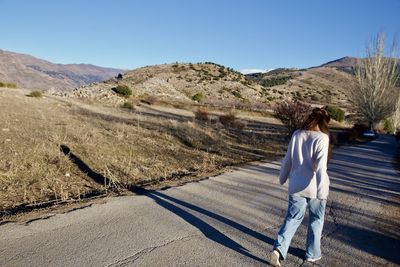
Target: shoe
{"x": 313, "y": 260}
{"x": 274, "y": 258}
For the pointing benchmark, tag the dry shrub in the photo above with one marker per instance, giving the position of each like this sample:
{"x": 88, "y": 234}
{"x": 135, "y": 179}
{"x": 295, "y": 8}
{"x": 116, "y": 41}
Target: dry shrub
{"x": 335, "y": 113}
{"x": 8, "y": 85}
{"x": 201, "y": 115}
{"x": 292, "y": 114}
{"x": 258, "y": 106}
{"x": 240, "y": 125}
{"x": 180, "y": 105}
{"x": 37, "y": 94}
{"x": 199, "y": 97}
{"x": 122, "y": 90}
{"x": 231, "y": 103}
{"x": 150, "y": 100}
{"x": 128, "y": 105}
{"x": 230, "y": 120}
{"x": 227, "y": 119}
{"x": 195, "y": 136}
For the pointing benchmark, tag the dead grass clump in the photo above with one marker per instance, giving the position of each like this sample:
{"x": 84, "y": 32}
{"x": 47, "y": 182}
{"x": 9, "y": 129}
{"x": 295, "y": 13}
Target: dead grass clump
{"x": 150, "y": 100}
{"x": 194, "y": 136}
{"x": 201, "y": 115}
{"x": 180, "y": 105}
{"x": 227, "y": 119}
{"x": 240, "y": 125}
{"x": 127, "y": 105}
{"x": 37, "y": 94}
{"x": 8, "y": 85}
{"x": 230, "y": 120}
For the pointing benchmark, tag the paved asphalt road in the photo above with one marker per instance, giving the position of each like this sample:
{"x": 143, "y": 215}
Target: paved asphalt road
{"x": 228, "y": 220}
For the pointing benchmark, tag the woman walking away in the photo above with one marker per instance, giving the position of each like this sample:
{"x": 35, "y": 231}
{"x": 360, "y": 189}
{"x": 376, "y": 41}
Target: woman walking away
{"x": 305, "y": 166}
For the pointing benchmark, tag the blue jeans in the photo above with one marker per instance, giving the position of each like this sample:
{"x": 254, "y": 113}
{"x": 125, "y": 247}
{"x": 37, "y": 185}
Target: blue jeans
{"x": 294, "y": 217}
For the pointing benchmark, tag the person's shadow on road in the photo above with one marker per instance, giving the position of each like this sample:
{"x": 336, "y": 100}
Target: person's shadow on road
{"x": 209, "y": 231}
{"x": 170, "y": 203}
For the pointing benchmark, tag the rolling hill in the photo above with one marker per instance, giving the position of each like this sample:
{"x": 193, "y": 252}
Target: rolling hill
{"x": 326, "y": 84}
{"x": 215, "y": 84}
{"x": 222, "y": 86}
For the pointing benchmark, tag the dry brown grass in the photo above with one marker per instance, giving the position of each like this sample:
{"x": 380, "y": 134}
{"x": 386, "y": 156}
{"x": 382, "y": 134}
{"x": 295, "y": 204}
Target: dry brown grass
{"x": 201, "y": 115}
{"x": 147, "y": 145}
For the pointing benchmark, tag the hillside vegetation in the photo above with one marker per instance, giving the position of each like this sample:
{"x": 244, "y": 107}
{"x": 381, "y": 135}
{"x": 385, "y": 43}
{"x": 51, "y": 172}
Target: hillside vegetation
{"x": 180, "y": 82}
{"x": 58, "y": 149}
{"x": 321, "y": 85}
{"x": 215, "y": 85}
{"x": 153, "y": 126}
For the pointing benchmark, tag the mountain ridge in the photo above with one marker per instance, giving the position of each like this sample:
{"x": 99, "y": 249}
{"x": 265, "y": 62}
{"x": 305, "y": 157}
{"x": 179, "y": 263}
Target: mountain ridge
{"x": 34, "y": 73}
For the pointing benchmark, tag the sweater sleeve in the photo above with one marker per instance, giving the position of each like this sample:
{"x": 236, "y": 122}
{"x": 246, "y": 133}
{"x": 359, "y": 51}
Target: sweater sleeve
{"x": 286, "y": 164}
{"x": 321, "y": 165}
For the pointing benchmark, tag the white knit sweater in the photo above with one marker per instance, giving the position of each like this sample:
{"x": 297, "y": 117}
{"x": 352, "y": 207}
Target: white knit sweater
{"x": 305, "y": 164}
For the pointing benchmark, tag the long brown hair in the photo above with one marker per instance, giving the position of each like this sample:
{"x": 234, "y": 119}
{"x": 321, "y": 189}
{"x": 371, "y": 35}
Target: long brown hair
{"x": 320, "y": 117}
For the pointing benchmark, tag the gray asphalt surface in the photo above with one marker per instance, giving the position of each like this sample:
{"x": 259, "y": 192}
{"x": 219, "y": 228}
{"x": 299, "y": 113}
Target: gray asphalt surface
{"x": 228, "y": 220}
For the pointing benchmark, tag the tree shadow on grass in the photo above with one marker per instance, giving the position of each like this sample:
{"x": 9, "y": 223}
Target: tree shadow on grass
{"x": 83, "y": 167}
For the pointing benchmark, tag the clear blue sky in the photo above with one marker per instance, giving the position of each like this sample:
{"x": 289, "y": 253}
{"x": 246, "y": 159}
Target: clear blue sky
{"x": 237, "y": 33}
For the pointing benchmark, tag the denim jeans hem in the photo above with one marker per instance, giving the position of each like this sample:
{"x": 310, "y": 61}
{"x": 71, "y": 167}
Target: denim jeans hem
{"x": 280, "y": 253}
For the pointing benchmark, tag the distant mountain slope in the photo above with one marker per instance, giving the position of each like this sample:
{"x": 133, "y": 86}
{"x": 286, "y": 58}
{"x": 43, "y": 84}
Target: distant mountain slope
{"x": 342, "y": 62}
{"x": 347, "y": 63}
{"x": 29, "y": 72}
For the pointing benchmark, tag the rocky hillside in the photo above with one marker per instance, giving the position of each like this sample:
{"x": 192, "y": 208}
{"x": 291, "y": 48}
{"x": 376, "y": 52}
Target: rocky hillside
{"x": 329, "y": 83}
{"x": 213, "y": 84}
{"x": 319, "y": 85}
{"x": 202, "y": 82}
{"x": 33, "y": 73}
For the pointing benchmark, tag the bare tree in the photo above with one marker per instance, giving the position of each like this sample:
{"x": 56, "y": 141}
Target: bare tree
{"x": 375, "y": 96}
{"x": 395, "y": 119}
